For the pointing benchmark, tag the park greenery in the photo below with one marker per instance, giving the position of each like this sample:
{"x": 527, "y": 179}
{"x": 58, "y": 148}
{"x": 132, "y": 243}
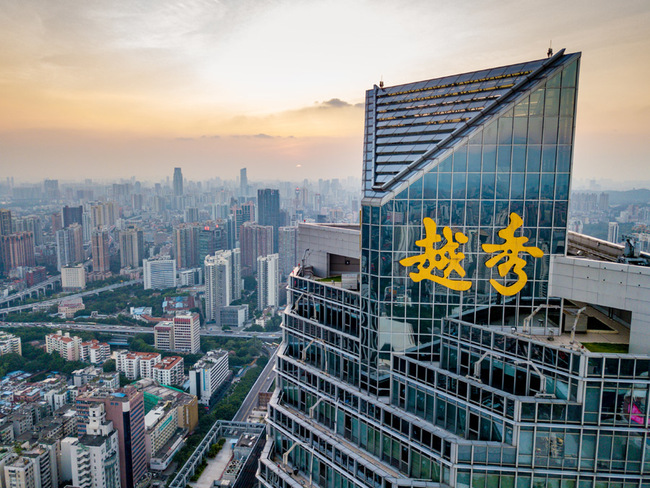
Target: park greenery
{"x": 216, "y": 448}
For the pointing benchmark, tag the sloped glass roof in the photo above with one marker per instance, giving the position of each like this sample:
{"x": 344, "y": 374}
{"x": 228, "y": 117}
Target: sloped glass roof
{"x": 408, "y": 124}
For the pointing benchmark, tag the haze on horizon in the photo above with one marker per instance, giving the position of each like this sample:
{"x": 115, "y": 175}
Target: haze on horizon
{"x": 100, "y": 89}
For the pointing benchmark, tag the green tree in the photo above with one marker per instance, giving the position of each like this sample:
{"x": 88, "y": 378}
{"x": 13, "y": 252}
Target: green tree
{"x": 109, "y": 366}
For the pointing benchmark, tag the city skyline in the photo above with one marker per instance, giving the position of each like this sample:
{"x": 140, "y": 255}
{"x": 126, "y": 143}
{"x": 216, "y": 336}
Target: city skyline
{"x": 98, "y": 89}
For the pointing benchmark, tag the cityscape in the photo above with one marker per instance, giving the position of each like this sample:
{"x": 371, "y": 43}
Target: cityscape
{"x": 426, "y": 278}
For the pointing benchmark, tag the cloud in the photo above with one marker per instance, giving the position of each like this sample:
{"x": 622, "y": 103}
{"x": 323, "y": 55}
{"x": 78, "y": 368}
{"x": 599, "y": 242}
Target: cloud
{"x": 334, "y": 103}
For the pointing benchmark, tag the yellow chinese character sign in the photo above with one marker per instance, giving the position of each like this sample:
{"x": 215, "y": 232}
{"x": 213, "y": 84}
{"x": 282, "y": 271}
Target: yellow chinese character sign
{"x": 445, "y": 259}
{"x": 509, "y": 253}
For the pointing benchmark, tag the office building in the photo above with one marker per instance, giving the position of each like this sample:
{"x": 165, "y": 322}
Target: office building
{"x": 186, "y": 246}
{"x": 159, "y": 273}
{"x": 69, "y": 245}
{"x": 131, "y": 247}
{"x": 125, "y": 409}
{"x": 73, "y": 278}
{"x": 164, "y": 336}
{"x": 287, "y": 250}
{"x": 71, "y": 215}
{"x": 100, "y": 239}
{"x": 267, "y": 281}
{"x": 233, "y": 315}
{"x": 178, "y": 182}
{"x": 187, "y": 327}
{"x": 255, "y": 241}
{"x": 466, "y": 356}
{"x": 222, "y": 282}
{"x": 17, "y": 250}
{"x": 612, "y": 233}
{"x": 208, "y": 374}
{"x": 268, "y": 210}
{"x": 213, "y": 237}
{"x": 244, "y": 212}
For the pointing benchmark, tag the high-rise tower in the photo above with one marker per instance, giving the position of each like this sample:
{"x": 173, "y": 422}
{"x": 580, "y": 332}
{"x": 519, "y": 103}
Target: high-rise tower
{"x": 268, "y": 210}
{"x": 243, "y": 182}
{"x": 466, "y": 356}
{"x": 178, "y": 182}
{"x": 100, "y": 254}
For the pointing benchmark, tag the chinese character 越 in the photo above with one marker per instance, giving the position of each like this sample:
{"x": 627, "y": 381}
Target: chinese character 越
{"x": 509, "y": 251}
{"x": 445, "y": 259}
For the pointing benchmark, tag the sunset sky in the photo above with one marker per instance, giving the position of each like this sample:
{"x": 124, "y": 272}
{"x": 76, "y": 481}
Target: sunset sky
{"x": 111, "y": 89}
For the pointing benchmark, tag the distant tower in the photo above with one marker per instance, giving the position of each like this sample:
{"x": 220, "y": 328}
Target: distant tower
{"x": 178, "y": 182}
{"x": 243, "y": 182}
{"x": 287, "y": 243}
{"x": 218, "y": 284}
{"x": 5, "y": 222}
{"x": 268, "y": 209}
{"x": 100, "y": 254}
{"x": 131, "y": 247}
{"x": 267, "y": 281}
{"x": 72, "y": 215}
{"x": 612, "y": 232}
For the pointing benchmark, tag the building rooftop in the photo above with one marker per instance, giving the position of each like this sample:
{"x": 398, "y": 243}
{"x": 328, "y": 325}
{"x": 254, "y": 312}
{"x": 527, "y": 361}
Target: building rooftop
{"x": 169, "y": 362}
{"x": 416, "y": 123}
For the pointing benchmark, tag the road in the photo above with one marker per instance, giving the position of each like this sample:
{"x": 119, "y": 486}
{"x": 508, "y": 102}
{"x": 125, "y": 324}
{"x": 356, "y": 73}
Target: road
{"x": 55, "y": 301}
{"x": 130, "y": 329}
{"x": 263, "y": 383}
{"x": 40, "y": 287}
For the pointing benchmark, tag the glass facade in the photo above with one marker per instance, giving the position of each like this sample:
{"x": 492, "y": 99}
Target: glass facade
{"x": 423, "y": 377}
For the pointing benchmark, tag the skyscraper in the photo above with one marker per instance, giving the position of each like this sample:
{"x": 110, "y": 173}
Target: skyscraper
{"x": 186, "y": 245}
{"x": 287, "y": 250}
{"x": 5, "y": 222}
{"x": 243, "y": 182}
{"x": 218, "y": 280}
{"x": 69, "y": 245}
{"x": 71, "y": 215}
{"x": 178, "y": 182}
{"x": 612, "y": 232}
{"x": 99, "y": 248}
{"x": 51, "y": 189}
{"x": 267, "y": 281}
{"x": 17, "y": 250}
{"x": 268, "y": 209}
{"x": 460, "y": 361}
{"x": 255, "y": 241}
{"x": 213, "y": 236}
{"x": 222, "y": 282}
{"x": 102, "y": 214}
{"x": 131, "y": 247}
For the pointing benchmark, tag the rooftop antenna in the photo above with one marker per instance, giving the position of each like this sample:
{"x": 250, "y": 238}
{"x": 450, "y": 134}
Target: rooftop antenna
{"x": 381, "y": 82}
{"x": 549, "y": 53}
